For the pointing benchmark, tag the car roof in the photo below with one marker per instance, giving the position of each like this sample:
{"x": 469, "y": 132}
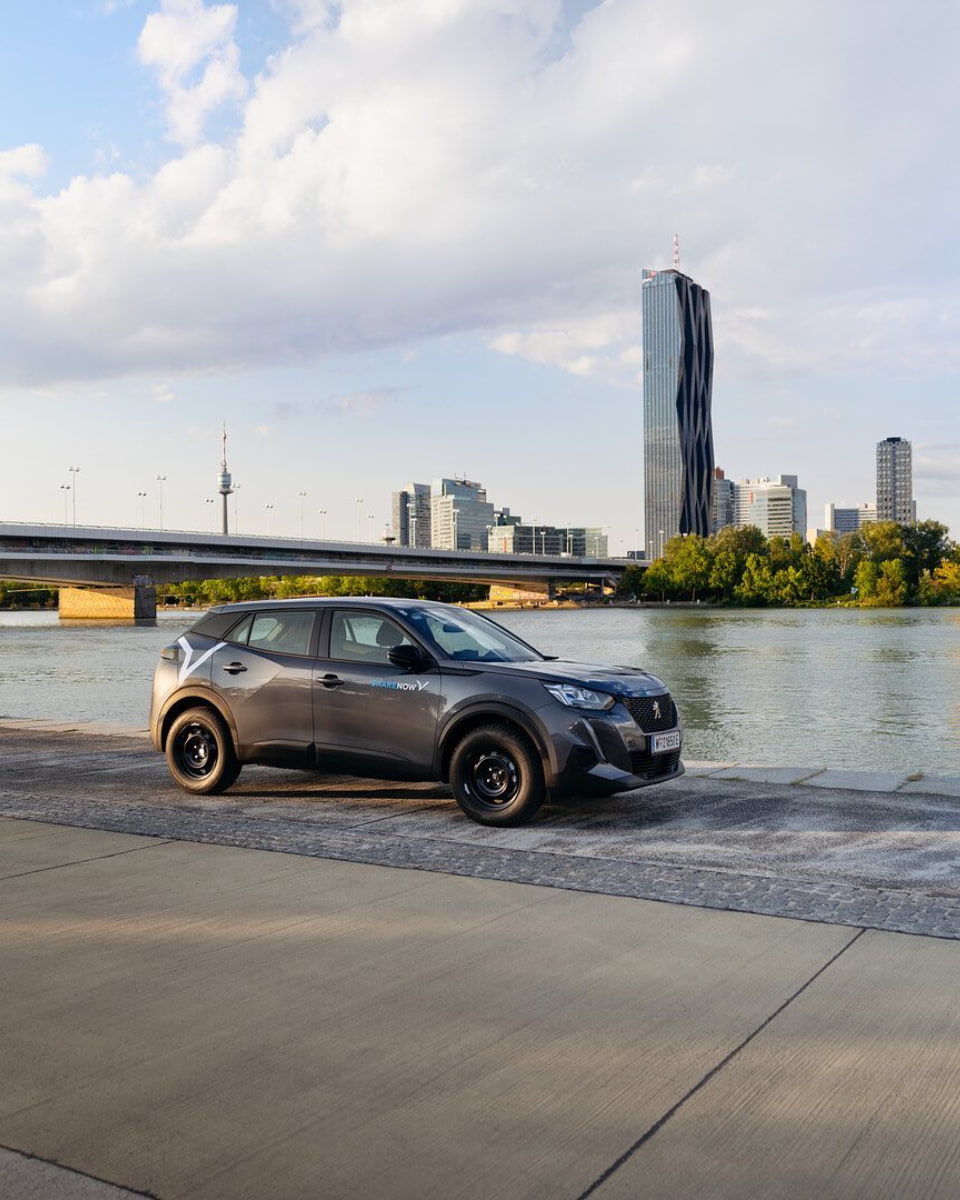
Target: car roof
{"x": 327, "y": 602}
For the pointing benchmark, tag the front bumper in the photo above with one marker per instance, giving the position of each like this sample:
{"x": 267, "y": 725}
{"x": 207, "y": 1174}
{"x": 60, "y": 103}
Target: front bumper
{"x": 604, "y": 754}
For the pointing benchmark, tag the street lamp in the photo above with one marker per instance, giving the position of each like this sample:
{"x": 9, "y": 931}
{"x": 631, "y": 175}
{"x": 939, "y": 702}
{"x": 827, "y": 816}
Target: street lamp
{"x": 636, "y": 543}
{"x": 74, "y": 471}
{"x": 302, "y": 496}
{"x": 370, "y": 517}
{"x": 236, "y": 508}
{"x": 210, "y": 514}
{"x": 161, "y": 479}
{"x": 143, "y": 518}
{"x": 661, "y": 543}
{"x": 321, "y": 512}
{"x": 359, "y": 518}
{"x": 269, "y": 508}
{"x": 543, "y": 541}
{"x": 64, "y": 487}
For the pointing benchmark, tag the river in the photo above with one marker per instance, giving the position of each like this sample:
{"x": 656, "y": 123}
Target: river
{"x": 876, "y": 689}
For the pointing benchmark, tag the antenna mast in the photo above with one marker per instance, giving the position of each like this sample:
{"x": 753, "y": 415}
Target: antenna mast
{"x": 676, "y": 252}
{"x": 224, "y": 479}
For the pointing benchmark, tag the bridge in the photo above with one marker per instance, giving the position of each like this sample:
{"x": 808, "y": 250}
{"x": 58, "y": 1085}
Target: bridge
{"x": 127, "y": 564}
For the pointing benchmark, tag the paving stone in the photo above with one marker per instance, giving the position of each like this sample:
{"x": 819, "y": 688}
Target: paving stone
{"x": 860, "y": 781}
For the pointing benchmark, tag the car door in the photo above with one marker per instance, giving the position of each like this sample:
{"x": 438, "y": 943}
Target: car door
{"x": 265, "y": 674}
{"x": 369, "y": 714}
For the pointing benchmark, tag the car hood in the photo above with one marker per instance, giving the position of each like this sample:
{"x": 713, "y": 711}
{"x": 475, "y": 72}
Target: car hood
{"x": 618, "y": 681}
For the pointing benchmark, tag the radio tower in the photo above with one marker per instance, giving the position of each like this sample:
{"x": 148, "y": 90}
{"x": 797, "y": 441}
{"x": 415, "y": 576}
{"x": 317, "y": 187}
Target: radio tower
{"x": 224, "y": 479}
{"x": 676, "y": 252}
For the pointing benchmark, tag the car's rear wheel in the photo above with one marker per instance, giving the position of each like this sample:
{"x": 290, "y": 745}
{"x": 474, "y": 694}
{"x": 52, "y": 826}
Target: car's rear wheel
{"x": 199, "y": 752}
{"x": 497, "y": 776}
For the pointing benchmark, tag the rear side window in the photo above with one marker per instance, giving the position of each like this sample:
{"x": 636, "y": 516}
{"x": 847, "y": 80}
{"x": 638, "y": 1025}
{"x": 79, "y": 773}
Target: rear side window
{"x": 242, "y": 631}
{"x": 282, "y": 632}
{"x": 214, "y": 625}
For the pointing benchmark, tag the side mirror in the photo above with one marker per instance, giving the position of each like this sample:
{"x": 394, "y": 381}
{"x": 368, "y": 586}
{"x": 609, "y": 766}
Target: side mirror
{"x": 410, "y": 658}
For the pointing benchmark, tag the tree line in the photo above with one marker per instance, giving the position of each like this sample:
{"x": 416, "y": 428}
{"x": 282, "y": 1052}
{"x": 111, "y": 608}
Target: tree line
{"x": 883, "y": 564}
{"x": 203, "y": 593}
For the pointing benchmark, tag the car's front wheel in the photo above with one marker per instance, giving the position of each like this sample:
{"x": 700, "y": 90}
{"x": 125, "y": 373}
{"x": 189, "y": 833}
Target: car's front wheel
{"x": 497, "y": 776}
{"x": 199, "y": 752}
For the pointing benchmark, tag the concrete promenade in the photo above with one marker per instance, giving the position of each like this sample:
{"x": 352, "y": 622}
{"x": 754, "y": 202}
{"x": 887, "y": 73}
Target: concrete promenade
{"x": 187, "y": 1018}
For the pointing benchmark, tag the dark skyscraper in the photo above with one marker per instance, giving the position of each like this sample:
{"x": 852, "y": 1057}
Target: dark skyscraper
{"x": 677, "y": 387}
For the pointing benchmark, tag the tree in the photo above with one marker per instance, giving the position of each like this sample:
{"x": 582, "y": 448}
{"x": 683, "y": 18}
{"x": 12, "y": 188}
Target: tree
{"x": 631, "y": 582}
{"x": 690, "y": 564}
{"x": 892, "y": 584}
{"x": 657, "y": 580}
{"x": 821, "y": 577}
{"x": 756, "y": 585}
{"x": 865, "y": 579}
{"x": 943, "y": 585}
{"x": 927, "y": 545}
{"x": 883, "y": 540}
{"x": 724, "y": 574}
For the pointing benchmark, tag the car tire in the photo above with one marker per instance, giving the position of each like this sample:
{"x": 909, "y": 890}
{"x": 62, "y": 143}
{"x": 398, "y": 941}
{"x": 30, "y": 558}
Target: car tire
{"x": 497, "y": 776}
{"x": 200, "y": 752}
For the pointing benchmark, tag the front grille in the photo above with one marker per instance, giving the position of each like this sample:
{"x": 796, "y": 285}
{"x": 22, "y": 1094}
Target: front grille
{"x": 644, "y": 710}
{"x": 653, "y": 766}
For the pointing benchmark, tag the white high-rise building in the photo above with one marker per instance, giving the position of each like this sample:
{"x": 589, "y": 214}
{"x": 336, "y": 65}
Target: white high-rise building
{"x": 848, "y": 520}
{"x": 460, "y": 515}
{"x": 778, "y": 507}
{"x": 895, "y": 500}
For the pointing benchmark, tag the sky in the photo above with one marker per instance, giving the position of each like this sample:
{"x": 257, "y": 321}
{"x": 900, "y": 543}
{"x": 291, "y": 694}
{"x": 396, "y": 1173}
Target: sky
{"x": 387, "y": 241}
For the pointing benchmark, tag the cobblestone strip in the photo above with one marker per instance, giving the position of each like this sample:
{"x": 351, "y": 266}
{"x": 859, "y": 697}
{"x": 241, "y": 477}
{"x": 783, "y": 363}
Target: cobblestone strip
{"x": 831, "y": 903}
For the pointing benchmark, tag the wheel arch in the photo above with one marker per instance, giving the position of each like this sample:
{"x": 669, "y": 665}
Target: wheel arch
{"x": 491, "y": 714}
{"x": 195, "y": 699}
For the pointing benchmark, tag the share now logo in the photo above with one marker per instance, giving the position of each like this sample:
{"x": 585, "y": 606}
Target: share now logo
{"x": 395, "y": 685}
{"x": 189, "y": 662}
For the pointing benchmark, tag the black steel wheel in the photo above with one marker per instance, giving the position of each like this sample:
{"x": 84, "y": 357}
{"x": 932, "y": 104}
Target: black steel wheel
{"x": 200, "y": 753}
{"x": 497, "y": 776}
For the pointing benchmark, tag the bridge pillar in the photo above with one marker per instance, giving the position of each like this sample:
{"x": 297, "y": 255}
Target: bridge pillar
{"x": 523, "y": 593}
{"x": 109, "y": 603}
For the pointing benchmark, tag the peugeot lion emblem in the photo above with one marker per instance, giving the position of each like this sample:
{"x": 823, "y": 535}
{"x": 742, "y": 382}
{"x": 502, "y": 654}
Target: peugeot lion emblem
{"x": 656, "y": 709}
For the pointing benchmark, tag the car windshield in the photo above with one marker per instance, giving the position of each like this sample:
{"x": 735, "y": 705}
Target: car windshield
{"x": 469, "y": 637}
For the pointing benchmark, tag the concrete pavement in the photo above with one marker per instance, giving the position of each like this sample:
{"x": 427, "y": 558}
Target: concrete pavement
{"x": 190, "y": 1020}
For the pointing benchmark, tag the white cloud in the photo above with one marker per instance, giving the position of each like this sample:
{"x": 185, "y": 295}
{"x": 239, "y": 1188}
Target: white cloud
{"x": 24, "y": 161}
{"x": 192, "y": 50}
{"x": 411, "y": 169}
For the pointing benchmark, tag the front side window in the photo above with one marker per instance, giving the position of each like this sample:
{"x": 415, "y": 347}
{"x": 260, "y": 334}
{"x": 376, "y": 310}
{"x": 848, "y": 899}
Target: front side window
{"x": 364, "y": 637}
{"x": 467, "y": 637}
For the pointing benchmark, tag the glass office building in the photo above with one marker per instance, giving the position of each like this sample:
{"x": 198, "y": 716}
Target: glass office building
{"x": 677, "y": 388}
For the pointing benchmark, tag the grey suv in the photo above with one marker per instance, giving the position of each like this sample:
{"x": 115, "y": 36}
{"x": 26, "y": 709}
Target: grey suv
{"x": 405, "y": 689}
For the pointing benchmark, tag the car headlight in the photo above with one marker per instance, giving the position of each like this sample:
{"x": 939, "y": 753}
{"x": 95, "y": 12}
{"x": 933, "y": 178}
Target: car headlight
{"x": 574, "y": 696}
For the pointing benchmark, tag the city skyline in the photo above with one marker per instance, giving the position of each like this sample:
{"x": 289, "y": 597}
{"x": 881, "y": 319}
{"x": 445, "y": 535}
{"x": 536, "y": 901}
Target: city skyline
{"x": 210, "y": 215}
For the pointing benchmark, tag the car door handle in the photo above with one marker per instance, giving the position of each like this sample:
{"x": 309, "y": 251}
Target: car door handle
{"x": 234, "y": 668}
{"x": 330, "y": 681}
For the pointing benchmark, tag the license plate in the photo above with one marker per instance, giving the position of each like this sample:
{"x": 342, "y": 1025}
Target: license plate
{"x": 663, "y": 742}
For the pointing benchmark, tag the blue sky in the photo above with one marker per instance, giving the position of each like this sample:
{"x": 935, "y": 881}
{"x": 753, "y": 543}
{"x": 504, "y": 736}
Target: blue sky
{"x": 389, "y": 240}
